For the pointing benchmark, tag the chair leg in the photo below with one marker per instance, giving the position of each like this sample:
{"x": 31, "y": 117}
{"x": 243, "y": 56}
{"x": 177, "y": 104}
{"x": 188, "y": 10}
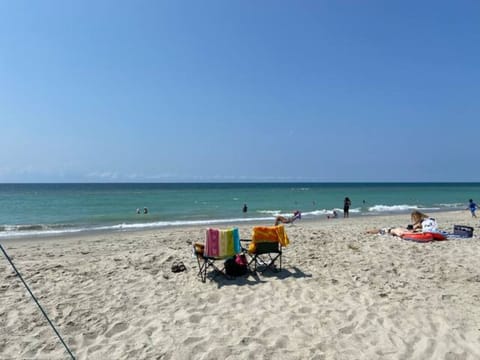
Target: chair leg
{"x": 253, "y": 260}
{"x": 268, "y": 261}
{"x": 205, "y": 267}
{"x": 202, "y": 268}
{"x": 204, "y": 263}
{"x": 271, "y": 264}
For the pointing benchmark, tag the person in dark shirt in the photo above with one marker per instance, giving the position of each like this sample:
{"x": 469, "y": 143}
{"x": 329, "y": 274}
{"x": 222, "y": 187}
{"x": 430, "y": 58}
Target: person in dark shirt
{"x": 346, "y": 207}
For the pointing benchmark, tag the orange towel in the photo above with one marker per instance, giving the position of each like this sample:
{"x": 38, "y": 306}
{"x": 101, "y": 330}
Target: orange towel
{"x": 268, "y": 234}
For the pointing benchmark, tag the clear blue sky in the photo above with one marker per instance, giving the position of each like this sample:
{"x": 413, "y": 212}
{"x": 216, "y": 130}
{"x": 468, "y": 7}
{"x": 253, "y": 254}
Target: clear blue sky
{"x": 153, "y": 91}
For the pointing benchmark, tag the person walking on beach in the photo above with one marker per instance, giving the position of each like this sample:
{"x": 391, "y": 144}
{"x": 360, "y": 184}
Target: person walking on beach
{"x": 472, "y": 207}
{"x": 346, "y": 207}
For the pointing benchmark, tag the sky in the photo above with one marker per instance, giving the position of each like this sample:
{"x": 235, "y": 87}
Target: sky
{"x": 239, "y": 91}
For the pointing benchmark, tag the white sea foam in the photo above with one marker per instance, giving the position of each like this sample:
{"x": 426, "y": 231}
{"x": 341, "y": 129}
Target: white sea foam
{"x": 270, "y": 212}
{"x": 392, "y": 208}
{"x": 317, "y": 212}
{"x": 15, "y": 233}
{"x": 453, "y": 205}
{"x": 32, "y": 233}
{"x": 381, "y": 209}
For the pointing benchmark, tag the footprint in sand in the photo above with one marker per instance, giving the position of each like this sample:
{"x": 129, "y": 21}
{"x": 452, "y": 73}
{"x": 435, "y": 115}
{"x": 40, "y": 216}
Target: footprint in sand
{"x": 348, "y": 329}
{"x": 304, "y": 310}
{"x": 195, "y": 318}
{"x": 117, "y": 328}
{"x": 193, "y": 340}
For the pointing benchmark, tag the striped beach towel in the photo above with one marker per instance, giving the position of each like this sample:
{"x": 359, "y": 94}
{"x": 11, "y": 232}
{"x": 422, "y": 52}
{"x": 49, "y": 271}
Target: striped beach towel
{"x": 221, "y": 243}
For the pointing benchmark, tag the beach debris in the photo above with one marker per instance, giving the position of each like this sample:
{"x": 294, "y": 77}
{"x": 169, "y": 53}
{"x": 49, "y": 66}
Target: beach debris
{"x": 178, "y": 267}
{"x": 353, "y": 247}
{"x": 476, "y": 278}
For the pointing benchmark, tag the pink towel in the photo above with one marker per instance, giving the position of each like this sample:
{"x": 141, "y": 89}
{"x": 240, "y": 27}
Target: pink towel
{"x": 212, "y": 243}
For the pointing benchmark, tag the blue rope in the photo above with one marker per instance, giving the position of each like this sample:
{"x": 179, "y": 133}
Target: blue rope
{"x": 36, "y": 301}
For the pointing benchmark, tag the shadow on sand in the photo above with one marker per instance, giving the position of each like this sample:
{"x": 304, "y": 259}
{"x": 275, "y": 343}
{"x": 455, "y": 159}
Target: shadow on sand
{"x": 254, "y": 278}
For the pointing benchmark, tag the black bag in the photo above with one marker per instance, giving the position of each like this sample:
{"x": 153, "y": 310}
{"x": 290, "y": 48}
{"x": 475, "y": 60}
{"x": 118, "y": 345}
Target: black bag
{"x": 463, "y": 231}
{"x": 236, "y": 266}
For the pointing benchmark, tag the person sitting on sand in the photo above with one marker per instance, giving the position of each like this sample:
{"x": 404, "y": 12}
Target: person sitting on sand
{"x": 287, "y": 220}
{"x": 417, "y": 217}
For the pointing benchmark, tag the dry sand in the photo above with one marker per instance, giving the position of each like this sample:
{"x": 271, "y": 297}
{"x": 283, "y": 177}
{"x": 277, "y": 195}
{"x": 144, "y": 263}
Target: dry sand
{"x": 342, "y": 295}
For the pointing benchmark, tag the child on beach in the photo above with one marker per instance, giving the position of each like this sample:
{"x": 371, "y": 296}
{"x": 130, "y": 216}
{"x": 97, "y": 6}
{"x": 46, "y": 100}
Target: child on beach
{"x": 472, "y": 207}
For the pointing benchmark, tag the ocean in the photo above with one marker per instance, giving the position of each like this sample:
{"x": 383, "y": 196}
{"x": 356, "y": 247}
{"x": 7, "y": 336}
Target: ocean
{"x": 48, "y": 209}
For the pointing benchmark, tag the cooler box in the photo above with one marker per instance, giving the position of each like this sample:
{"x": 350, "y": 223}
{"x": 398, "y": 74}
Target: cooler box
{"x": 463, "y": 231}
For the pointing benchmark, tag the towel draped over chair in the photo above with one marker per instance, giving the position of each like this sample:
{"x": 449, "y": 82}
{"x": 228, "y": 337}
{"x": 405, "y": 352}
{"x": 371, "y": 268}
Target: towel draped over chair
{"x": 268, "y": 234}
{"x": 221, "y": 243}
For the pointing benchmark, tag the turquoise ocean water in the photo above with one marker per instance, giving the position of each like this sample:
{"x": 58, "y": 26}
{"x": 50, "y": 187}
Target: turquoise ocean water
{"x": 45, "y": 209}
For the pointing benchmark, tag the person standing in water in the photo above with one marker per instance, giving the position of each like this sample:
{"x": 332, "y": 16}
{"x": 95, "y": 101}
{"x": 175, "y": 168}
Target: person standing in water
{"x": 245, "y": 208}
{"x": 346, "y": 207}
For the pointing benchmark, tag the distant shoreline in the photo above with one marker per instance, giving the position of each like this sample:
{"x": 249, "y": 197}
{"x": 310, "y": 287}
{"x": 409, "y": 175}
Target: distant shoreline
{"x": 88, "y": 233}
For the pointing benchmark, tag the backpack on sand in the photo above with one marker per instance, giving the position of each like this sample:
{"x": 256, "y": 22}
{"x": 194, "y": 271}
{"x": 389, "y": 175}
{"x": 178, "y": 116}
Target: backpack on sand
{"x": 236, "y": 266}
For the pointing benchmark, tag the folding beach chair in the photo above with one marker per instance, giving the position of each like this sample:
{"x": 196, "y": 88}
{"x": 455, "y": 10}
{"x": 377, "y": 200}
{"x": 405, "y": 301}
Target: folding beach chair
{"x": 265, "y": 247}
{"x": 219, "y": 245}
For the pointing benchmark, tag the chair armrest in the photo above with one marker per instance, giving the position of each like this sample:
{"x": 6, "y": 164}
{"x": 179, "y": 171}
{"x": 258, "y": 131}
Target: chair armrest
{"x": 245, "y": 246}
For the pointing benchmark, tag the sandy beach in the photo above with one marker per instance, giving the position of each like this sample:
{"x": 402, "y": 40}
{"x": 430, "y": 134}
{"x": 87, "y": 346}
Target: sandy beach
{"x": 342, "y": 294}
